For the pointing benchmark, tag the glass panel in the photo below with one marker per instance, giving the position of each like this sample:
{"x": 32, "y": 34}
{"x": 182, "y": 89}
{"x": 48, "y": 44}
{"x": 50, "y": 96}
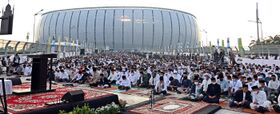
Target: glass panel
{"x": 196, "y": 31}
{"x": 11, "y": 47}
{"x": 53, "y": 24}
{"x": 20, "y": 47}
{"x": 138, "y": 24}
{"x": 148, "y": 29}
{"x": 60, "y": 25}
{"x": 90, "y": 27}
{"x": 158, "y": 29}
{"x": 65, "y": 35}
{"x": 192, "y": 43}
{"x": 189, "y": 31}
{"x": 46, "y": 28}
{"x": 175, "y": 31}
{"x": 167, "y": 30}
{"x": 183, "y": 38}
{"x": 109, "y": 28}
{"x": 126, "y": 19}
{"x": 99, "y": 29}
{"x": 74, "y": 26}
{"x": 118, "y": 29}
{"x": 41, "y": 29}
{"x": 82, "y": 25}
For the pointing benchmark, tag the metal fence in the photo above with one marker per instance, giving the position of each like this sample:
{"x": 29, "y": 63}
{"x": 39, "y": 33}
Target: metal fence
{"x": 8, "y": 47}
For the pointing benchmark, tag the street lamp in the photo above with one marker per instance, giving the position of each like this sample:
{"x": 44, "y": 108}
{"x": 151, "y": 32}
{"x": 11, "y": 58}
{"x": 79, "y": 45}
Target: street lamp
{"x": 206, "y": 37}
{"x": 259, "y": 21}
{"x": 34, "y": 23}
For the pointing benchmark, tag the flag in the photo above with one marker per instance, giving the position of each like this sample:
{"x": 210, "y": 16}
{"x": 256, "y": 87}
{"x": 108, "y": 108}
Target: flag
{"x": 49, "y": 44}
{"x": 228, "y": 44}
{"x": 223, "y": 43}
{"x": 53, "y": 45}
{"x": 59, "y": 45}
{"x": 72, "y": 45}
{"x": 218, "y": 42}
{"x": 240, "y": 47}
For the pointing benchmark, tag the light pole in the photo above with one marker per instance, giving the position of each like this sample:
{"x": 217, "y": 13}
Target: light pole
{"x": 34, "y": 23}
{"x": 206, "y": 37}
{"x": 259, "y": 22}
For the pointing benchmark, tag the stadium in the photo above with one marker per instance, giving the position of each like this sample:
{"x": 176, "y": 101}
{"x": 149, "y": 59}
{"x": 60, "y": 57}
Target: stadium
{"x": 121, "y": 28}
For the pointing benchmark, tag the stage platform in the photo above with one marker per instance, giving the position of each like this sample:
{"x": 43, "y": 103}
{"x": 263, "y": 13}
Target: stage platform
{"x": 36, "y": 103}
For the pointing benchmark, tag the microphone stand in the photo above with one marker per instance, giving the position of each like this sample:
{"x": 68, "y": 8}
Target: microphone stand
{"x": 152, "y": 94}
{"x": 4, "y": 97}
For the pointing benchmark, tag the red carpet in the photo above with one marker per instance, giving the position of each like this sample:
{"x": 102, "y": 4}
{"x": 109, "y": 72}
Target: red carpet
{"x": 170, "y": 106}
{"x": 27, "y": 86}
{"x": 34, "y": 101}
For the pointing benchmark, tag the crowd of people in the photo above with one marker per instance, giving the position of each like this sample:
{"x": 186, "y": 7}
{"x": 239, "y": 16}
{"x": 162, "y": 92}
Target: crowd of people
{"x": 244, "y": 85}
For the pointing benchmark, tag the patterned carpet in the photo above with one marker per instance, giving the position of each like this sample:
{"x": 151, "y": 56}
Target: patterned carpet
{"x": 26, "y": 86}
{"x": 18, "y": 103}
{"x": 225, "y": 105}
{"x": 170, "y": 106}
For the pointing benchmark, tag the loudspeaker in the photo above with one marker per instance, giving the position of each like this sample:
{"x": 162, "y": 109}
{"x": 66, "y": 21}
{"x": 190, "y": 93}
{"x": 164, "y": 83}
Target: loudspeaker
{"x": 15, "y": 81}
{"x": 73, "y": 96}
{"x": 82, "y": 52}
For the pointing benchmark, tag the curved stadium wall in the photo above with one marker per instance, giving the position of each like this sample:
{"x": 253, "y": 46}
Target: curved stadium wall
{"x": 121, "y": 28}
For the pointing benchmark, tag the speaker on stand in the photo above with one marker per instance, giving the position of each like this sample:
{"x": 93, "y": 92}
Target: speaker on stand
{"x": 82, "y": 52}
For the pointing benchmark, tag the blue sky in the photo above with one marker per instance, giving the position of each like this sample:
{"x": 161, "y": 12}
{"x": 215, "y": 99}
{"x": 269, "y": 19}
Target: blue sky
{"x": 220, "y": 18}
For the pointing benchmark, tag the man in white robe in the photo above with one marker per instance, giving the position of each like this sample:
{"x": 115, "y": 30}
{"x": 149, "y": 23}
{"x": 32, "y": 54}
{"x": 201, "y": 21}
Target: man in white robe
{"x": 259, "y": 99}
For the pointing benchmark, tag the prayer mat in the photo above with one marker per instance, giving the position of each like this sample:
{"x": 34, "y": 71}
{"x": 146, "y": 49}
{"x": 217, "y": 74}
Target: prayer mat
{"x": 18, "y": 103}
{"x": 138, "y": 92}
{"x": 225, "y": 105}
{"x": 112, "y": 88}
{"x": 170, "y": 106}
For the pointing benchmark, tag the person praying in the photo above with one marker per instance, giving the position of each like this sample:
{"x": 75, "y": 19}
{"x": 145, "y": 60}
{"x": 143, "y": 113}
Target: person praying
{"x": 161, "y": 87}
{"x": 213, "y": 92}
{"x": 241, "y": 98}
{"x": 125, "y": 83}
{"x": 260, "y": 102}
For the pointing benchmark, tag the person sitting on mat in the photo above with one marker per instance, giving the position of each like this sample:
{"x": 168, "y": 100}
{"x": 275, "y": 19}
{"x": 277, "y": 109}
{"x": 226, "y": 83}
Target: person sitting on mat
{"x": 63, "y": 76}
{"x": 161, "y": 87}
{"x": 78, "y": 77}
{"x": 104, "y": 82}
{"x": 125, "y": 84}
{"x": 260, "y": 102}
{"x": 94, "y": 80}
{"x": 196, "y": 91}
{"x": 241, "y": 98}
{"x": 213, "y": 92}
{"x": 173, "y": 85}
{"x": 186, "y": 84}
{"x": 143, "y": 80}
